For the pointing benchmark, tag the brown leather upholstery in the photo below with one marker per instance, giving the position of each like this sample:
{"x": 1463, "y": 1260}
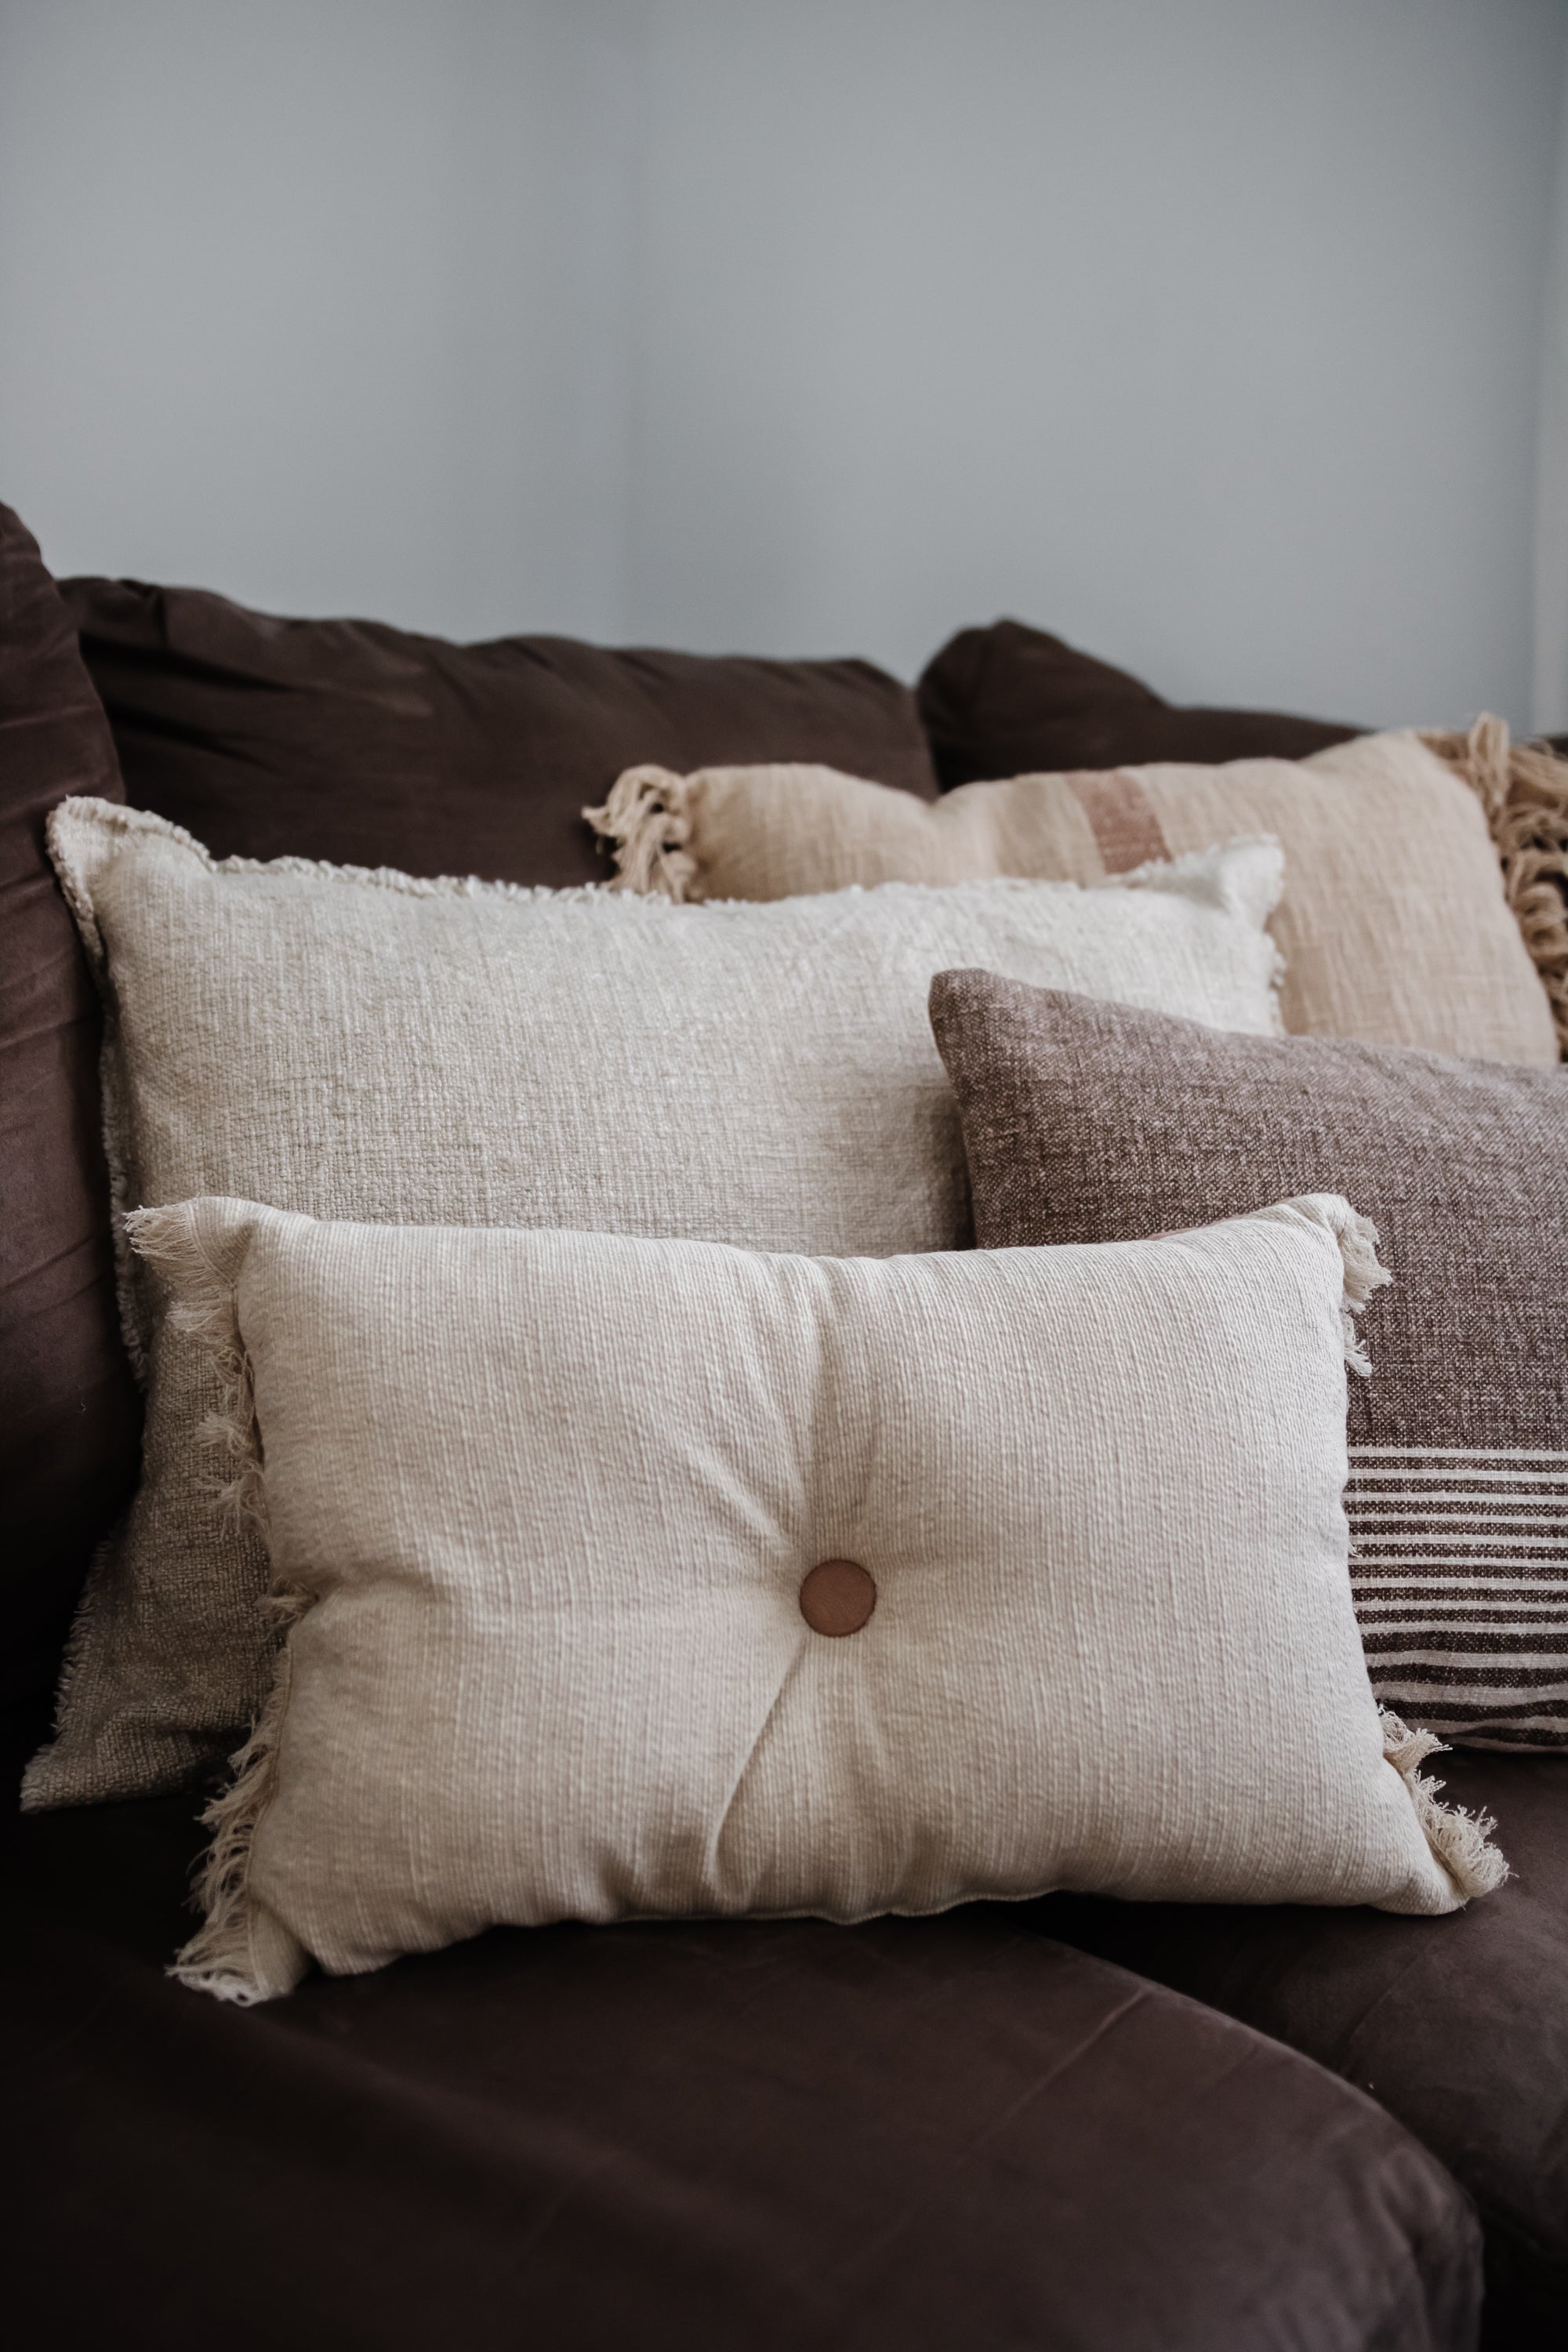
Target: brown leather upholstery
{"x": 68, "y": 1413}
{"x": 921, "y": 2135}
{"x": 374, "y": 746}
{"x": 1459, "y": 2026}
{"x": 1010, "y": 700}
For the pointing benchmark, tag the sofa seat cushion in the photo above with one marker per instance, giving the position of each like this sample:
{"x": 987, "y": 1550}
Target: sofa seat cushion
{"x": 920, "y": 2133}
{"x": 1460, "y": 2028}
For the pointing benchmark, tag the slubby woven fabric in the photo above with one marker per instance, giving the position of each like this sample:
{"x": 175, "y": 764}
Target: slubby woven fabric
{"x": 358, "y": 1044}
{"x": 1090, "y": 1122}
{"x": 544, "y": 1507}
{"x": 1394, "y": 923}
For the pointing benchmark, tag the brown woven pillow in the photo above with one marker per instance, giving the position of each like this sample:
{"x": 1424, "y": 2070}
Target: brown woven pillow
{"x": 1089, "y": 1122}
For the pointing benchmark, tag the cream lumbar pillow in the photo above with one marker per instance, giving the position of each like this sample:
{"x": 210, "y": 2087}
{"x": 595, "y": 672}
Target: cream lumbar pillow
{"x": 1395, "y": 926}
{"x": 633, "y": 1577}
{"x": 357, "y": 1045}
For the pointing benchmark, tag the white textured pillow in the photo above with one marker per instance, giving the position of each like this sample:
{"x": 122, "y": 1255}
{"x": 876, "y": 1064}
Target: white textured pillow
{"x": 356, "y": 1045}
{"x": 546, "y": 1508}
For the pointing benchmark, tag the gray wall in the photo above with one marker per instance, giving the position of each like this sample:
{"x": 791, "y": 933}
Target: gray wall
{"x": 1210, "y": 332}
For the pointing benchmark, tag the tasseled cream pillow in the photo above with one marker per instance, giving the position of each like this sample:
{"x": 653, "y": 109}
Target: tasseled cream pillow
{"x": 1399, "y": 924}
{"x": 633, "y": 1577}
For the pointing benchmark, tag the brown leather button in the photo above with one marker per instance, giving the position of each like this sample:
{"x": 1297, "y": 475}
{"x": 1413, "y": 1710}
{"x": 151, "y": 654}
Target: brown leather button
{"x": 837, "y": 1597}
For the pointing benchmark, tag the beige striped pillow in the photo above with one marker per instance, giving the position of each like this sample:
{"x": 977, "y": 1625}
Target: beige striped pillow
{"x": 1395, "y": 923}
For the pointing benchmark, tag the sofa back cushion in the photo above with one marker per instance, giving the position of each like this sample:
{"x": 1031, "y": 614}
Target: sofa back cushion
{"x": 1002, "y": 701}
{"x": 67, "y": 1405}
{"x": 376, "y": 746}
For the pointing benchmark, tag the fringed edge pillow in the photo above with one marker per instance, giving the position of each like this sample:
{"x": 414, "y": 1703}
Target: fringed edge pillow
{"x": 1394, "y": 925}
{"x": 628, "y": 1579}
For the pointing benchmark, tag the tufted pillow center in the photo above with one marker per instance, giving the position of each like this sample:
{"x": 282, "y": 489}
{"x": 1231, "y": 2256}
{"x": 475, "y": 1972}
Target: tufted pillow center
{"x": 837, "y": 1597}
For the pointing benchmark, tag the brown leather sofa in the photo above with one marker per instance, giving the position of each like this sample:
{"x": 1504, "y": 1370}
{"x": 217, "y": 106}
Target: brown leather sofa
{"x": 1072, "y": 2124}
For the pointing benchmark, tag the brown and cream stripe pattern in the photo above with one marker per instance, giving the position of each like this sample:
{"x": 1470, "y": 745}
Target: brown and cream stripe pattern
{"x": 1087, "y": 1122}
{"x": 1122, "y": 817}
{"x": 1459, "y": 1561}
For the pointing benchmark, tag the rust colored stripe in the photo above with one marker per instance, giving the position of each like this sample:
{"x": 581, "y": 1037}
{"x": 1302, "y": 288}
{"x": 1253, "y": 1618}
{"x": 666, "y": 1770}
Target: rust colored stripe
{"x": 1127, "y": 832}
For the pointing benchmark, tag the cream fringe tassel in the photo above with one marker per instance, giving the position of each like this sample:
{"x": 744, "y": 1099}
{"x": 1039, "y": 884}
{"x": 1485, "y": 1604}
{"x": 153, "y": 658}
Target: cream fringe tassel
{"x": 220, "y": 1957}
{"x": 647, "y": 818}
{"x": 1364, "y": 1273}
{"x": 1361, "y": 1272}
{"x": 1523, "y": 788}
{"x": 1461, "y": 1841}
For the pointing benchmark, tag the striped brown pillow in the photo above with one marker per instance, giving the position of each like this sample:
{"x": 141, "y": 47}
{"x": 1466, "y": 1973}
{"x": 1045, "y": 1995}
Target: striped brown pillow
{"x": 1086, "y": 1121}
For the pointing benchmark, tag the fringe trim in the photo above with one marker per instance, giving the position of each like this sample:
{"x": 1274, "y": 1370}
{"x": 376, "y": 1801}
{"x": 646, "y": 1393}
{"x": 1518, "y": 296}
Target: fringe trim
{"x": 1362, "y": 1274}
{"x": 1461, "y": 1841}
{"x": 647, "y": 818}
{"x": 110, "y": 817}
{"x": 220, "y": 1959}
{"x": 1220, "y": 863}
{"x": 1523, "y": 788}
{"x": 135, "y": 1321}
{"x": 202, "y": 1309}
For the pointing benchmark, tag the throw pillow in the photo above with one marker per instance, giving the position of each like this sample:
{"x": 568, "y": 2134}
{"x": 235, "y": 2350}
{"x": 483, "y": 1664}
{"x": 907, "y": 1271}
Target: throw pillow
{"x": 361, "y": 1044}
{"x": 1006, "y": 699}
{"x": 632, "y": 1578}
{"x": 1087, "y": 1122}
{"x": 1395, "y": 922}
{"x": 68, "y": 1403}
{"x": 371, "y": 745}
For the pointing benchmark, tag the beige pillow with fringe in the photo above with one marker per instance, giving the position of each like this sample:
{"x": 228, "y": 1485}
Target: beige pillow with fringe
{"x": 1395, "y": 923}
{"x": 357, "y": 1045}
{"x": 628, "y": 1578}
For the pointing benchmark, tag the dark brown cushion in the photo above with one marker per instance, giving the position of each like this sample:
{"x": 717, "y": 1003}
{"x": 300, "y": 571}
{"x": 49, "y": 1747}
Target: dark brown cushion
{"x": 912, "y": 2137}
{"x": 1086, "y": 1122}
{"x": 1458, "y": 2025}
{"x": 373, "y": 746}
{"x": 1010, "y": 700}
{"x": 68, "y": 1406}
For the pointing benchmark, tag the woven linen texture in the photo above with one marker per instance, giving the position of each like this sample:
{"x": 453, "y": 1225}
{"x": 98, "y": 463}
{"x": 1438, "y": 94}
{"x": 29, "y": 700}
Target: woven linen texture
{"x": 1087, "y": 1122}
{"x": 1394, "y": 924}
{"x": 544, "y": 1503}
{"x": 357, "y": 1045}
